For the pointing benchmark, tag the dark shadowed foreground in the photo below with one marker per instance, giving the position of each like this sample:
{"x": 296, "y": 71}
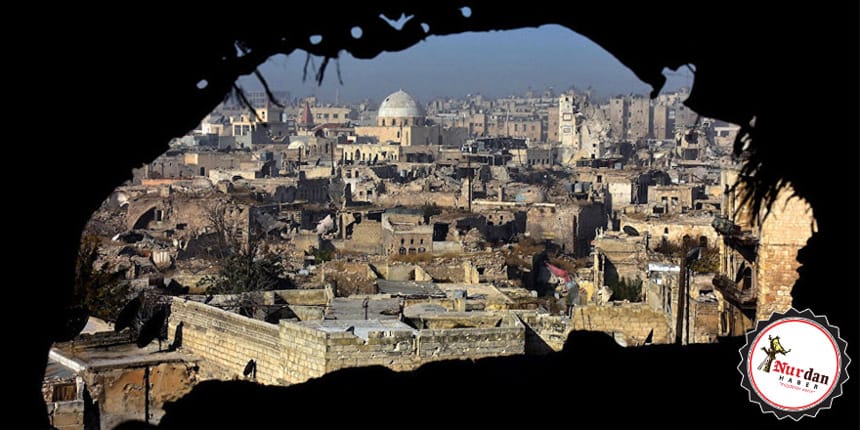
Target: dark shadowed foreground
{"x": 792, "y": 68}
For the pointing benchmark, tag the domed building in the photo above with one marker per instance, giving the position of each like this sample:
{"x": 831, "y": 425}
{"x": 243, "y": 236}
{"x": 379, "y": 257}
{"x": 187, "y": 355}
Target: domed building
{"x": 401, "y": 133}
{"x": 400, "y": 109}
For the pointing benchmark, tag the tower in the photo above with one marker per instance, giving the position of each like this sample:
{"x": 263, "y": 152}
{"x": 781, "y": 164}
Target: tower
{"x": 306, "y": 121}
{"x": 566, "y": 120}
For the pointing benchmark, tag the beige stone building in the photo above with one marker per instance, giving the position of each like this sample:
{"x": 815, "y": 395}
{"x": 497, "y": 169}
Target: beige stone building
{"x": 663, "y": 124}
{"x": 758, "y": 257}
{"x": 618, "y": 114}
{"x": 401, "y": 120}
{"x": 552, "y": 127}
{"x": 671, "y": 199}
{"x": 333, "y": 114}
{"x": 675, "y": 229}
{"x": 369, "y": 153}
{"x": 406, "y": 233}
{"x": 571, "y": 226}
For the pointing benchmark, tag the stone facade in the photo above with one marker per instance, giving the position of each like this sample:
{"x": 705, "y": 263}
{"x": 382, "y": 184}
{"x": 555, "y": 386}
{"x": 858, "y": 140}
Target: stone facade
{"x": 758, "y": 257}
{"x": 367, "y": 153}
{"x": 639, "y": 120}
{"x": 618, "y": 114}
{"x": 406, "y": 234}
{"x": 674, "y": 229}
{"x": 629, "y": 323}
{"x": 66, "y": 415}
{"x": 570, "y": 226}
{"x": 405, "y": 135}
{"x": 122, "y": 393}
{"x": 786, "y": 229}
{"x": 672, "y": 199}
{"x": 293, "y": 352}
{"x": 227, "y": 341}
{"x": 663, "y": 125}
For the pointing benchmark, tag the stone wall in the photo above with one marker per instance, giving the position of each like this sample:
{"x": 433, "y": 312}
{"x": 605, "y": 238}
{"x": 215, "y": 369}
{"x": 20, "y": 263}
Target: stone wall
{"x": 293, "y": 352}
{"x": 308, "y": 297}
{"x": 227, "y": 341}
{"x": 393, "y": 349}
{"x": 704, "y": 322}
{"x": 673, "y": 198}
{"x": 304, "y": 352}
{"x": 403, "y": 350}
{"x": 633, "y": 321}
{"x": 122, "y": 392}
{"x": 544, "y": 330}
{"x": 570, "y": 226}
{"x": 305, "y": 241}
{"x": 629, "y": 322}
{"x": 673, "y": 228}
{"x": 349, "y": 278}
{"x": 66, "y": 415}
{"x": 366, "y": 237}
{"x": 786, "y": 229}
{"x": 591, "y": 217}
{"x": 189, "y": 209}
{"x": 471, "y": 342}
{"x": 420, "y": 198}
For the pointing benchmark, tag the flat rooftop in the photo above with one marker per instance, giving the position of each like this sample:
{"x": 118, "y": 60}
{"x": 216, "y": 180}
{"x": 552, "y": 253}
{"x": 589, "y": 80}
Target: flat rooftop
{"x": 117, "y": 356}
{"x": 360, "y": 328}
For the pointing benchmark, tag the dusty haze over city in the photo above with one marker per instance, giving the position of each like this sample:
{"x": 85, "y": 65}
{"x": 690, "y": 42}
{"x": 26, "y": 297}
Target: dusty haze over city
{"x": 494, "y": 64}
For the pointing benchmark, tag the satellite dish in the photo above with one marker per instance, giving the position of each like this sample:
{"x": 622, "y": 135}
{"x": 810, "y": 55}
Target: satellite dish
{"x": 152, "y": 328}
{"x": 630, "y": 231}
{"x": 74, "y": 320}
{"x": 127, "y": 315}
{"x": 250, "y": 369}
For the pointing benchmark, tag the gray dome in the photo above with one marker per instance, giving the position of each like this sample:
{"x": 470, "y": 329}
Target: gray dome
{"x": 399, "y": 105}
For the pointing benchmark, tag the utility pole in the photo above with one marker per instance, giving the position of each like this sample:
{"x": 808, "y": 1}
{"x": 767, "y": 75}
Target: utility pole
{"x": 683, "y": 322}
{"x": 682, "y": 288}
{"x": 471, "y": 175}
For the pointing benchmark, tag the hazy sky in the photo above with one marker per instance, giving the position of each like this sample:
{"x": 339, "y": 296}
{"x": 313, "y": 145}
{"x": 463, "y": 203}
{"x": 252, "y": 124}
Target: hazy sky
{"x": 494, "y": 64}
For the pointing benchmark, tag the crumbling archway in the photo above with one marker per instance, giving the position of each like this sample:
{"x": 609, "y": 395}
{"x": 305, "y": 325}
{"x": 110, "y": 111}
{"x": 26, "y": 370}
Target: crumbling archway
{"x": 153, "y": 214}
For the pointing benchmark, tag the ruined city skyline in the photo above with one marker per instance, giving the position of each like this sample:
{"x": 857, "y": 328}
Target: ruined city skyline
{"x": 494, "y": 64}
{"x": 266, "y": 267}
{"x": 314, "y": 238}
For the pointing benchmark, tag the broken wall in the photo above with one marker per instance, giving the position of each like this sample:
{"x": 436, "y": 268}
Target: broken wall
{"x": 66, "y": 415}
{"x": 786, "y": 229}
{"x": 630, "y": 322}
{"x": 291, "y": 352}
{"x": 366, "y": 237}
{"x": 674, "y": 229}
{"x": 393, "y": 197}
{"x": 127, "y": 393}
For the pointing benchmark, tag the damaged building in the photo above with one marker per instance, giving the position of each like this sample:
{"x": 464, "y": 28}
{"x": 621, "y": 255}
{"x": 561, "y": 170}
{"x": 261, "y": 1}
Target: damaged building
{"x": 758, "y": 263}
